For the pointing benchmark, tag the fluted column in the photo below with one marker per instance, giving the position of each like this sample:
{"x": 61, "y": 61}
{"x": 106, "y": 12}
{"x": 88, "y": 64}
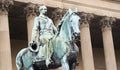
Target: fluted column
{"x": 86, "y": 47}
{"x": 5, "y": 49}
{"x": 110, "y": 59}
{"x": 31, "y": 13}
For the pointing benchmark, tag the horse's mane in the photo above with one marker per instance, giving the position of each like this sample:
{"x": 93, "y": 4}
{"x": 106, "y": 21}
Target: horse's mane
{"x": 64, "y": 26}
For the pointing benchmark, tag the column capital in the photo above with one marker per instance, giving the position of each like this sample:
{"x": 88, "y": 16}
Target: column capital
{"x": 6, "y": 4}
{"x": 31, "y": 9}
{"x": 85, "y": 18}
{"x": 57, "y": 13}
{"x": 107, "y": 22}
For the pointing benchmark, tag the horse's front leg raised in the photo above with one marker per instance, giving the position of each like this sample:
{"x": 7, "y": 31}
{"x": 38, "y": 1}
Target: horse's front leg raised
{"x": 64, "y": 63}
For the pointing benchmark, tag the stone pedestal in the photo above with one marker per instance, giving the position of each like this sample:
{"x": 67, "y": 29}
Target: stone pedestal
{"x": 110, "y": 59}
{"x": 5, "y": 49}
{"x": 86, "y": 47}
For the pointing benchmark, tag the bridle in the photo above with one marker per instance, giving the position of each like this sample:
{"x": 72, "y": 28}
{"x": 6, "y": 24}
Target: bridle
{"x": 74, "y": 34}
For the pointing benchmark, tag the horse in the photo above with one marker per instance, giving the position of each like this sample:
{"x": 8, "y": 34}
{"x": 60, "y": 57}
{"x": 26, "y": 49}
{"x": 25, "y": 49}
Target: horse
{"x": 63, "y": 43}
{"x": 26, "y": 56}
{"x": 65, "y": 50}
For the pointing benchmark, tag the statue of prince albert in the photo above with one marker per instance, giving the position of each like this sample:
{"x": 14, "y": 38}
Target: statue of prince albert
{"x": 46, "y": 29}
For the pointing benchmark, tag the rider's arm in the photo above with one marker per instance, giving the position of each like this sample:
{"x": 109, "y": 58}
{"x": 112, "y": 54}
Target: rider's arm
{"x": 35, "y": 29}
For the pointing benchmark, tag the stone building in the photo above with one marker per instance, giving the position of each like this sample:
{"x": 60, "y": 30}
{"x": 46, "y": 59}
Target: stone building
{"x": 100, "y": 30}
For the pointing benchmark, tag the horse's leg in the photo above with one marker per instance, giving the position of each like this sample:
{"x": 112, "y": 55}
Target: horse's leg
{"x": 72, "y": 63}
{"x": 64, "y": 63}
{"x": 73, "y": 66}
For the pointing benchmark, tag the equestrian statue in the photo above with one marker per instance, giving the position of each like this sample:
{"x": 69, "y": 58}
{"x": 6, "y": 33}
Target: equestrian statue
{"x": 54, "y": 47}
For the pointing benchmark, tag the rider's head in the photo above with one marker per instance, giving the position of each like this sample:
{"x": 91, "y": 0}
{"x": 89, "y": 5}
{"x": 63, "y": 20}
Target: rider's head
{"x": 43, "y": 9}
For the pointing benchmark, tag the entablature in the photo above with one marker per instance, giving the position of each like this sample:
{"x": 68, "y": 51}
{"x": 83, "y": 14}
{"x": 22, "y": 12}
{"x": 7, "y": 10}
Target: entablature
{"x": 97, "y": 7}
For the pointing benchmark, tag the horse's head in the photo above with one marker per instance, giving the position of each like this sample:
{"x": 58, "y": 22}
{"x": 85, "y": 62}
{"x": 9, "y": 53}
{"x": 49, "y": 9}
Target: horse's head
{"x": 33, "y": 46}
{"x": 75, "y": 24}
{"x": 69, "y": 25}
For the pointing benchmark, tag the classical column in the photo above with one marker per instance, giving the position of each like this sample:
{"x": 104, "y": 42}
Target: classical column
{"x": 108, "y": 43}
{"x": 5, "y": 49}
{"x": 31, "y": 11}
{"x": 86, "y": 47}
{"x": 56, "y": 15}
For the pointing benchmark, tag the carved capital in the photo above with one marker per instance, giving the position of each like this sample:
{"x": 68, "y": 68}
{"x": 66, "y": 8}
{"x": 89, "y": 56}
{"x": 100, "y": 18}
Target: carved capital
{"x": 64, "y": 10}
{"x": 31, "y": 9}
{"x": 6, "y": 4}
{"x": 57, "y": 14}
{"x": 85, "y": 18}
{"x": 106, "y": 22}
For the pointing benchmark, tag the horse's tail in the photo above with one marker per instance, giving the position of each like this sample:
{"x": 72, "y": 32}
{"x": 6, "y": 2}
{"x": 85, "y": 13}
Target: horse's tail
{"x": 19, "y": 63}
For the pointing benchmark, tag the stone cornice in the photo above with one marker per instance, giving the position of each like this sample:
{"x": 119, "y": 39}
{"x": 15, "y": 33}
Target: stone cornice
{"x": 90, "y": 4}
{"x": 82, "y": 7}
{"x": 6, "y": 4}
{"x": 31, "y": 9}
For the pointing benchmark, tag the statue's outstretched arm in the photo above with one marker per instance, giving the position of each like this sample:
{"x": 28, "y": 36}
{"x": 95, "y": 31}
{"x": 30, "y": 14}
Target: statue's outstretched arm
{"x": 35, "y": 29}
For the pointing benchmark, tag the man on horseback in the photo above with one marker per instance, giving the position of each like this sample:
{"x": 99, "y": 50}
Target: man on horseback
{"x": 44, "y": 25}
